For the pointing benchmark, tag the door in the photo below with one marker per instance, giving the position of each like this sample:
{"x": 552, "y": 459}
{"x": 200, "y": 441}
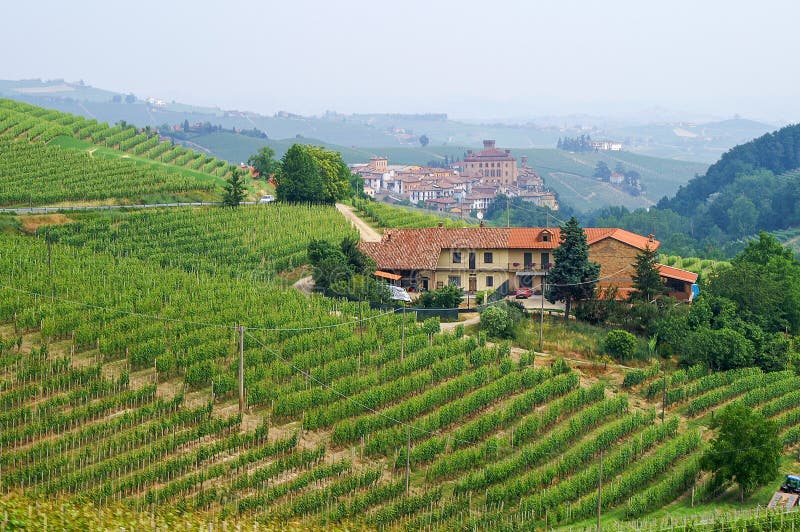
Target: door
{"x": 471, "y": 260}
{"x": 527, "y": 260}
{"x": 545, "y": 260}
{"x": 473, "y": 284}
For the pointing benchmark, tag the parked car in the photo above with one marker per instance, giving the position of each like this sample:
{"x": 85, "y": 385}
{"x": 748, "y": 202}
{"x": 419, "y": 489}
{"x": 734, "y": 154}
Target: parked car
{"x": 523, "y": 293}
{"x": 269, "y": 198}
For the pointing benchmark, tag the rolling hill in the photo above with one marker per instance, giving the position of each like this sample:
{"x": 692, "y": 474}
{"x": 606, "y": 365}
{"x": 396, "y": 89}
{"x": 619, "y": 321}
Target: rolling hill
{"x": 50, "y": 158}
{"x": 650, "y": 132}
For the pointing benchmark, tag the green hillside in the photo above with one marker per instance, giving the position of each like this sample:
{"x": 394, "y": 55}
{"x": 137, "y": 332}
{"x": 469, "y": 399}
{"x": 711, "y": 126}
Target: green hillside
{"x": 49, "y": 157}
{"x": 118, "y": 378}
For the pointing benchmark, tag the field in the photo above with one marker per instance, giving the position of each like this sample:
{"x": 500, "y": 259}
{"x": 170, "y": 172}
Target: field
{"x": 49, "y": 158}
{"x": 118, "y": 378}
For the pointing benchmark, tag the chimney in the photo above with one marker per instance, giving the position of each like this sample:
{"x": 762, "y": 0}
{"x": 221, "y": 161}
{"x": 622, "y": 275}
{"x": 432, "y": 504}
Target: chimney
{"x": 651, "y": 237}
{"x": 482, "y": 224}
{"x": 488, "y": 144}
{"x": 440, "y": 225}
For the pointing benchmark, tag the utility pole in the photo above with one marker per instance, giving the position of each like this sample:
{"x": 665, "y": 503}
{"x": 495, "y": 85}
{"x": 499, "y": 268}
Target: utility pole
{"x": 241, "y": 369}
{"x": 408, "y": 460}
{"x": 360, "y": 320}
{"x": 49, "y": 254}
{"x": 403, "y": 334}
{"x": 541, "y": 313}
{"x": 508, "y": 211}
{"x": 600, "y": 490}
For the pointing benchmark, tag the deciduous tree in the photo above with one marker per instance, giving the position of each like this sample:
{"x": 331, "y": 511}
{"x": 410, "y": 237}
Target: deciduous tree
{"x": 264, "y": 162}
{"x": 746, "y": 450}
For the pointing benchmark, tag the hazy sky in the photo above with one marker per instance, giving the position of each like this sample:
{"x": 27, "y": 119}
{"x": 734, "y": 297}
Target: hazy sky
{"x": 466, "y": 58}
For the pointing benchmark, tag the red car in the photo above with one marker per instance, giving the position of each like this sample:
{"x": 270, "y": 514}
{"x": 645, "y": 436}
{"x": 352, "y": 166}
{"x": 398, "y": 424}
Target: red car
{"x": 523, "y": 293}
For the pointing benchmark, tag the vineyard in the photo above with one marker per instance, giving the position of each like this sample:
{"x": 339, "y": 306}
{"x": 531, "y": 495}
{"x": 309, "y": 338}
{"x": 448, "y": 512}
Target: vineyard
{"x": 35, "y": 170}
{"x": 385, "y": 215}
{"x": 119, "y": 363}
{"x": 241, "y": 242}
{"x": 118, "y": 378}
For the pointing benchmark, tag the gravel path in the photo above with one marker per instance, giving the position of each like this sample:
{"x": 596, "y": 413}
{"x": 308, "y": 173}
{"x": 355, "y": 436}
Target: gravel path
{"x": 368, "y": 234}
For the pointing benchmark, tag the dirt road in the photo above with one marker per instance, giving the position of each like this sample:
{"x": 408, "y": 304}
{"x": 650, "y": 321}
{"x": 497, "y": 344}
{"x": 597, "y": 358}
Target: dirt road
{"x": 368, "y": 234}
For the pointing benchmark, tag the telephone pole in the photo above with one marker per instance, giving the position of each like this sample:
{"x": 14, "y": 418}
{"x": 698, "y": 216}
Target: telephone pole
{"x": 508, "y": 211}
{"x": 600, "y": 490}
{"x": 408, "y": 460}
{"x": 403, "y": 334}
{"x": 241, "y": 369}
{"x": 541, "y": 312}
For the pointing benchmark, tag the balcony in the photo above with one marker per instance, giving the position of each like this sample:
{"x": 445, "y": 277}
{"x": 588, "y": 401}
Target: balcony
{"x": 531, "y": 268}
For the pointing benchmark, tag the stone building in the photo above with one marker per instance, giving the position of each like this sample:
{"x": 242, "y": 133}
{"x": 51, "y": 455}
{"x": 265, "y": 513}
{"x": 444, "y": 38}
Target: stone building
{"x": 492, "y": 258}
{"x": 491, "y": 166}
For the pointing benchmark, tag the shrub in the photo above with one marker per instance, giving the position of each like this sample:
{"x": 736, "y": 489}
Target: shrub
{"x": 619, "y": 344}
{"x": 495, "y": 321}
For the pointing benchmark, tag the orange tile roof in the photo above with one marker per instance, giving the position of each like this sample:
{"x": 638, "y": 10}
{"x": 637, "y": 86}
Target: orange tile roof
{"x": 387, "y": 275}
{"x": 676, "y": 273}
{"x": 632, "y": 239}
{"x": 419, "y": 249}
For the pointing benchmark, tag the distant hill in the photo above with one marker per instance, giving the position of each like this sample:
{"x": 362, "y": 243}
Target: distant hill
{"x": 668, "y": 138}
{"x": 776, "y": 152}
{"x": 753, "y": 187}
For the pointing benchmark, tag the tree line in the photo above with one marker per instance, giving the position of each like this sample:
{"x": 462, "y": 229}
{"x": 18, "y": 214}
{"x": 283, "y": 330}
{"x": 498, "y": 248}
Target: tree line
{"x": 753, "y": 187}
{"x": 580, "y": 143}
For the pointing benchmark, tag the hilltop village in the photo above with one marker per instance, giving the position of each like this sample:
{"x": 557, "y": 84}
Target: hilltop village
{"x": 465, "y": 186}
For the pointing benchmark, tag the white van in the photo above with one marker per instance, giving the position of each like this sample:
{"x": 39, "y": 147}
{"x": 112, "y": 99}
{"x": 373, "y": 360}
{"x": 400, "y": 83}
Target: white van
{"x": 269, "y": 198}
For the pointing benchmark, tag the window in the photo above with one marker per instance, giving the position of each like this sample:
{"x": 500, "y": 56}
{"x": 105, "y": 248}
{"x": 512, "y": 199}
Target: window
{"x": 454, "y": 280}
{"x": 488, "y": 258}
{"x": 489, "y": 280}
{"x": 545, "y": 260}
{"x": 456, "y": 257}
{"x": 439, "y": 285}
{"x": 545, "y": 238}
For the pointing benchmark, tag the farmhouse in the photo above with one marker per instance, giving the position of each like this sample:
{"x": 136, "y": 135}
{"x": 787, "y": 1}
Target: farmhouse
{"x": 494, "y": 258}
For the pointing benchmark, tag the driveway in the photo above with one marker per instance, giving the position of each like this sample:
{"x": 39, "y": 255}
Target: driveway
{"x": 368, "y": 234}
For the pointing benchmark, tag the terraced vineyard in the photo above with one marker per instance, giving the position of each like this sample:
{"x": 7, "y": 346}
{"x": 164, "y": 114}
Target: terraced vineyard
{"x": 241, "y": 241}
{"x": 384, "y": 215}
{"x": 34, "y": 170}
{"x": 118, "y": 382}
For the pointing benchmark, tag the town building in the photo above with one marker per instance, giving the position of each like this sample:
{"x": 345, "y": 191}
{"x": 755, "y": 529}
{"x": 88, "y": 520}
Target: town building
{"x": 491, "y": 165}
{"x": 616, "y": 178}
{"x": 494, "y": 258}
{"x": 605, "y": 145}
